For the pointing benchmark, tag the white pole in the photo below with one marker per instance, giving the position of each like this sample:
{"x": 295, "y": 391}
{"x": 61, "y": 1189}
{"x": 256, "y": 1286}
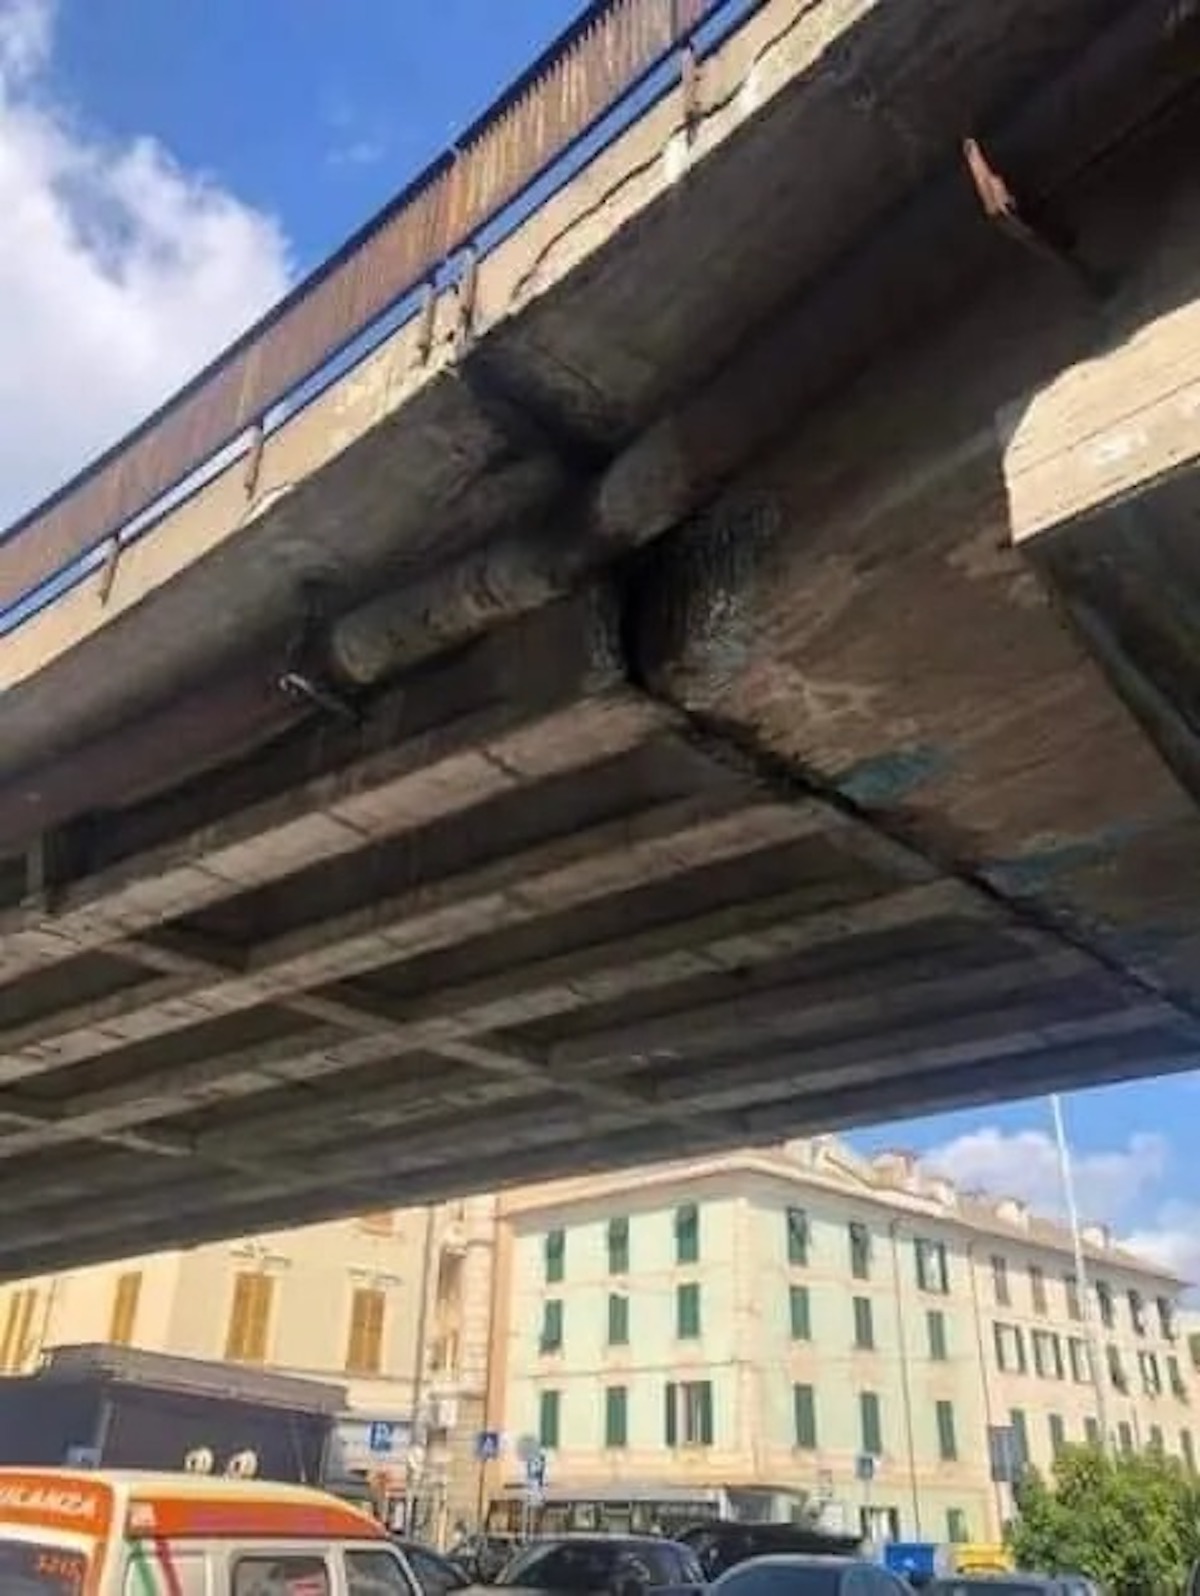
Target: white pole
{"x": 1087, "y": 1307}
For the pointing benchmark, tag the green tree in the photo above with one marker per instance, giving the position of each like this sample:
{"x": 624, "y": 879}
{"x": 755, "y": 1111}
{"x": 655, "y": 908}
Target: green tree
{"x": 1131, "y": 1523}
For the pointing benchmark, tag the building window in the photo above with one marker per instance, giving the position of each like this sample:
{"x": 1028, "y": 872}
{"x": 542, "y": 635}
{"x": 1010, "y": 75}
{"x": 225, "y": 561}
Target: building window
{"x": 250, "y": 1318}
{"x": 1058, "y": 1434}
{"x": 864, "y": 1324}
{"x": 689, "y": 1413}
{"x": 1155, "y": 1441}
{"x": 947, "y": 1440}
{"x": 1150, "y": 1372}
{"x": 618, "y": 1246}
{"x": 18, "y": 1326}
{"x": 797, "y": 1236}
{"x": 555, "y": 1256}
{"x": 1125, "y": 1437}
{"x": 618, "y": 1320}
{"x": 1137, "y": 1312}
{"x": 935, "y": 1319}
{"x": 804, "y": 1417}
{"x": 1187, "y": 1450}
{"x": 1020, "y": 1435}
{"x": 616, "y": 1417}
{"x": 1000, "y": 1281}
{"x": 123, "y": 1319}
{"x": 1047, "y": 1355}
{"x": 687, "y": 1312}
{"x": 1166, "y": 1317}
{"x": 1074, "y": 1302}
{"x": 870, "y": 1423}
{"x": 800, "y": 1313}
{"x": 1091, "y": 1431}
{"x": 549, "y": 1417}
{"x": 1104, "y": 1300}
{"x": 551, "y": 1338}
{"x": 1116, "y": 1370}
{"x": 687, "y": 1234}
{"x": 1010, "y": 1348}
{"x": 364, "y": 1346}
{"x": 1037, "y": 1288}
{"x": 933, "y": 1273}
{"x": 860, "y": 1251}
{"x": 1175, "y": 1378}
{"x": 1081, "y": 1368}
{"x": 957, "y": 1531}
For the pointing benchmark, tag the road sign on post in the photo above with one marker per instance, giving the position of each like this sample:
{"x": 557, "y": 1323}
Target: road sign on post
{"x": 381, "y": 1438}
{"x": 487, "y": 1446}
{"x": 864, "y": 1467}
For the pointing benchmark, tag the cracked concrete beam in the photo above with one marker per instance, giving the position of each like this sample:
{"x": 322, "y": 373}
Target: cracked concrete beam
{"x": 428, "y": 776}
{"x": 666, "y": 840}
{"x": 878, "y": 1000}
{"x": 740, "y": 936}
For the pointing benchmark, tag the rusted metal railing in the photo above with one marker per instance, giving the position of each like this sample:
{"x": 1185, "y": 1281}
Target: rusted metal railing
{"x": 587, "y": 70}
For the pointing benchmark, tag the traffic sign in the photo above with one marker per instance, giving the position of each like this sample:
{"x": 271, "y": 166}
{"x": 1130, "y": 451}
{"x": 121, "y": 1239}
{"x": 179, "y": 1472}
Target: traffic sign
{"x": 864, "y": 1467}
{"x": 535, "y": 1471}
{"x": 487, "y": 1446}
{"x": 381, "y": 1438}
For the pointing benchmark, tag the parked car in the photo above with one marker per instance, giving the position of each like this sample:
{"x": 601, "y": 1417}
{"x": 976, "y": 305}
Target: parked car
{"x": 721, "y": 1544}
{"x": 1012, "y": 1585}
{"x": 800, "y": 1574}
{"x": 609, "y": 1565}
{"x": 433, "y": 1574}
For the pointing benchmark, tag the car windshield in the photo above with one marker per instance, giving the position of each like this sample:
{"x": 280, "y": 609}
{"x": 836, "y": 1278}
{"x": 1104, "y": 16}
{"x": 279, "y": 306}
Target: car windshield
{"x": 29, "y": 1569}
{"x": 582, "y": 1566}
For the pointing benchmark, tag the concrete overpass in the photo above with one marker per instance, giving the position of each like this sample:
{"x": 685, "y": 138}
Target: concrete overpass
{"x": 703, "y": 653}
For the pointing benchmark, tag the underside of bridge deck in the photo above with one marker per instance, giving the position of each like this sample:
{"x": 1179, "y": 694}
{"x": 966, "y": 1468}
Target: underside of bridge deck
{"x": 759, "y": 772}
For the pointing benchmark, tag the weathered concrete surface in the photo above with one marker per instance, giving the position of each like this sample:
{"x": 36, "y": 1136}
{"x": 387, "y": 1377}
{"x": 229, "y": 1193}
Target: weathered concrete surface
{"x": 745, "y": 739}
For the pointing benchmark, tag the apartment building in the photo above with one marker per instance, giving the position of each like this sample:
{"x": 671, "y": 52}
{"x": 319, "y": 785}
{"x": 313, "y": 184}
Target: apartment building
{"x": 395, "y": 1306}
{"x": 802, "y": 1317}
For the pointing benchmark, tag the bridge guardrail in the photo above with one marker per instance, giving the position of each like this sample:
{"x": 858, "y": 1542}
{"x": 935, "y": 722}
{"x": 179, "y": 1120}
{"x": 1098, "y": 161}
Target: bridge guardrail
{"x": 599, "y": 60}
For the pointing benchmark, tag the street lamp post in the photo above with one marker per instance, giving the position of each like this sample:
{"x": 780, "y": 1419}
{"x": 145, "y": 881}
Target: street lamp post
{"x": 1081, "y": 1274}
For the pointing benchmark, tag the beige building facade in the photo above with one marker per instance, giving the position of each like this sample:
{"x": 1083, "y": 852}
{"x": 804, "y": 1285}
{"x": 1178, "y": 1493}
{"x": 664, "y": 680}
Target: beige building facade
{"x": 780, "y": 1317}
{"x": 394, "y": 1306}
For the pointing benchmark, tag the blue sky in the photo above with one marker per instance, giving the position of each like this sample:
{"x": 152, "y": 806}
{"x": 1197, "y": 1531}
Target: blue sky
{"x": 168, "y": 166}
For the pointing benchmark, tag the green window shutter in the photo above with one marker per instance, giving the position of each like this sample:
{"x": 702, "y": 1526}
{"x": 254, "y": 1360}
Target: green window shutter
{"x": 687, "y": 1234}
{"x": 864, "y": 1323}
{"x": 871, "y": 1423}
{"x": 947, "y": 1439}
{"x": 706, "y": 1413}
{"x": 618, "y": 1319}
{"x": 687, "y": 1311}
{"x": 797, "y": 1236}
{"x": 555, "y": 1254}
{"x": 552, "y": 1325}
{"x": 800, "y": 1313}
{"x": 956, "y": 1526}
{"x": 616, "y": 1416}
{"x": 936, "y": 1321}
{"x": 804, "y": 1409}
{"x": 618, "y": 1246}
{"x": 548, "y": 1418}
{"x": 671, "y": 1414}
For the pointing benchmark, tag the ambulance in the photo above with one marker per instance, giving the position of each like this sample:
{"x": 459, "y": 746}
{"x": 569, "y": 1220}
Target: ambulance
{"x": 67, "y": 1532}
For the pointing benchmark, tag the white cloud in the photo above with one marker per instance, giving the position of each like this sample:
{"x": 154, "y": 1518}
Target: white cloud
{"x": 120, "y": 272}
{"x": 1120, "y": 1187}
{"x": 1025, "y": 1164}
{"x": 1173, "y": 1241}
